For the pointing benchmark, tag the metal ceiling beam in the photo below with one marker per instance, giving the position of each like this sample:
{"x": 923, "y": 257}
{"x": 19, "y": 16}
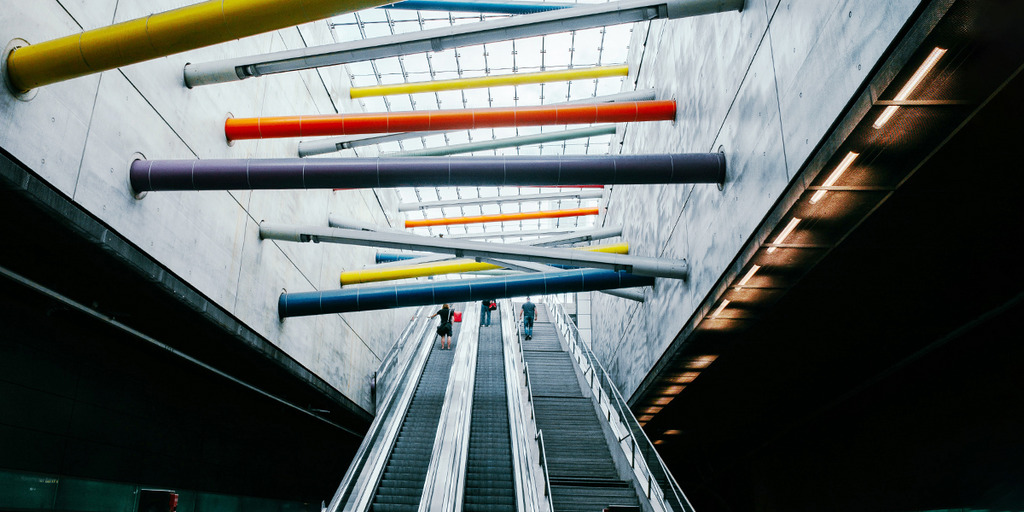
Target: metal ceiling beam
{"x": 579, "y": 194}
{"x": 330, "y": 145}
{"x": 503, "y": 217}
{"x": 506, "y": 7}
{"x": 433, "y": 292}
{"x": 655, "y": 267}
{"x": 435, "y": 40}
{"x": 509, "y": 142}
{"x": 278, "y": 127}
{"x": 441, "y": 171}
{"x": 512, "y": 234}
{"x": 578, "y": 236}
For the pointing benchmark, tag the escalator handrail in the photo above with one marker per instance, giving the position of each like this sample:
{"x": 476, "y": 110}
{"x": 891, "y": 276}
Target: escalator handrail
{"x": 625, "y": 414}
{"x": 391, "y": 357}
{"x": 385, "y": 426}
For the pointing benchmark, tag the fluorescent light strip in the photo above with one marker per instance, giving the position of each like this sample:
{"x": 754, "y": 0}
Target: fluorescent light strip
{"x": 750, "y": 274}
{"x": 725, "y": 302}
{"x": 912, "y": 84}
{"x": 785, "y": 232}
{"x": 840, "y": 169}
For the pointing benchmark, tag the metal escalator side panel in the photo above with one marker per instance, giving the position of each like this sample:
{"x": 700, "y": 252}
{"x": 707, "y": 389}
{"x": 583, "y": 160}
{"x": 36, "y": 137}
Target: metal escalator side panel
{"x": 444, "y": 484}
{"x": 385, "y": 425}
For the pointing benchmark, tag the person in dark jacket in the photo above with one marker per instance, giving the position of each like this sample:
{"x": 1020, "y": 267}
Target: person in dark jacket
{"x": 528, "y": 313}
{"x": 444, "y": 330}
{"x": 485, "y": 312}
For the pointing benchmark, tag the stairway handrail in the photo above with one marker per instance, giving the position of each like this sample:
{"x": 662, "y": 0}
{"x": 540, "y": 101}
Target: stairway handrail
{"x": 625, "y": 414}
{"x": 517, "y": 415}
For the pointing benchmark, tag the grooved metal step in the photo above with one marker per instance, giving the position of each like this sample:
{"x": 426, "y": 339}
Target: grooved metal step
{"x": 580, "y": 465}
{"x": 489, "y": 480}
{"x": 401, "y": 485}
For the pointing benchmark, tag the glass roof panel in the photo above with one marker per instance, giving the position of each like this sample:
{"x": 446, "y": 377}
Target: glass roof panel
{"x": 604, "y": 46}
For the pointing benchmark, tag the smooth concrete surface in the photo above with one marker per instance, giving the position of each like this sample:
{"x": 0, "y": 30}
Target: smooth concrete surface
{"x": 80, "y": 136}
{"x": 763, "y": 86}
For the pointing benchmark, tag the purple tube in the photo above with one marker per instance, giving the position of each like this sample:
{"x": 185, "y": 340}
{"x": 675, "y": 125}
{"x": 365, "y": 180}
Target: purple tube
{"x": 439, "y": 171}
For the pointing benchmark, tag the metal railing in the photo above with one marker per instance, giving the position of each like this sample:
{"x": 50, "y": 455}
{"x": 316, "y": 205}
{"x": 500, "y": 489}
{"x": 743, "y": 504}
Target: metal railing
{"x": 649, "y": 468}
{"x": 384, "y": 379}
{"x": 519, "y": 423}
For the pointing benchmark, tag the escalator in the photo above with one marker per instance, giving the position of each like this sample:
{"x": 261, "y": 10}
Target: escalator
{"x": 401, "y": 484}
{"x": 580, "y": 465}
{"x": 448, "y": 432}
{"x": 489, "y": 479}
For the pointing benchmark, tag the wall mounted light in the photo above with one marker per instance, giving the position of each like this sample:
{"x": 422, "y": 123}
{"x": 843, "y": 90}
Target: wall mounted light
{"x": 725, "y": 302}
{"x": 700, "y": 362}
{"x": 785, "y": 232}
{"x": 910, "y": 86}
{"x": 750, "y": 273}
{"x": 832, "y": 178}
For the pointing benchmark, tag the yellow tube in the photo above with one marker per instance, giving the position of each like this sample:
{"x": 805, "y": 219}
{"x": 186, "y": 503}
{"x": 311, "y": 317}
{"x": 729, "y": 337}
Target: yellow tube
{"x": 489, "y": 81}
{"x": 162, "y": 34}
{"x": 446, "y": 267}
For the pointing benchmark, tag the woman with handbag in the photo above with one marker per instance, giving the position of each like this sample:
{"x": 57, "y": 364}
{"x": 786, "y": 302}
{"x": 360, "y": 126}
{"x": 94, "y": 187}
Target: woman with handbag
{"x": 444, "y": 330}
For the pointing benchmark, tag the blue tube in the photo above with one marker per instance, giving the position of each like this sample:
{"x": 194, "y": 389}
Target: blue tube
{"x": 421, "y": 294}
{"x": 478, "y": 7}
{"x": 388, "y": 257}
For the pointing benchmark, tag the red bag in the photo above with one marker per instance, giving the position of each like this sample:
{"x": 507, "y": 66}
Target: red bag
{"x": 458, "y": 316}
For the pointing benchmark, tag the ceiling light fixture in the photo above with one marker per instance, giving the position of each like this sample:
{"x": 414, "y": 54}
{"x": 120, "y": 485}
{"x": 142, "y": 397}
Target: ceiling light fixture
{"x": 700, "y": 362}
{"x": 912, "y": 84}
{"x": 662, "y": 400}
{"x": 672, "y": 390}
{"x": 725, "y": 302}
{"x": 785, "y": 232}
{"x": 840, "y": 169}
{"x": 645, "y": 418}
{"x": 652, "y": 410}
{"x": 673, "y": 432}
{"x": 685, "y": 377}
{"x": 753, "y": 270}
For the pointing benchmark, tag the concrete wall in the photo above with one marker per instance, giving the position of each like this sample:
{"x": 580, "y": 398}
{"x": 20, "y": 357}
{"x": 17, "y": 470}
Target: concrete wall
{"x": 80, "y": 136}
{"x": 763, "y": 85}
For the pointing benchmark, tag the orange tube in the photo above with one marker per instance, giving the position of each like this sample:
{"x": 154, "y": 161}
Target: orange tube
{"x": 548, "y": 214}
{"x": 463, "y": 119}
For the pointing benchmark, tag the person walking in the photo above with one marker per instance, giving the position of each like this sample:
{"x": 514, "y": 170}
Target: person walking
{"x": 527, "y": 314}
{"x": 485, "y": 312}
{"x": 444, "y": 330}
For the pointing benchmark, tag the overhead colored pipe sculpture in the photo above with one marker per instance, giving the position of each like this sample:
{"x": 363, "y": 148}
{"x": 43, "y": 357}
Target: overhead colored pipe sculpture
{"x": 162, "y": 34}
{"x": 502, "y": 217}
{"x": 239, "y": 128}
{"x": 458, "y": 266}
{"x": 581, "y": 17}
{"x": 509, "y": 142}
{"x": 439, "y": 171}
{"x": 479, "y": 7}
{"x": 332, "y": 144}
{"x": 420, "y": 294}
{"x": 489, "y": 81}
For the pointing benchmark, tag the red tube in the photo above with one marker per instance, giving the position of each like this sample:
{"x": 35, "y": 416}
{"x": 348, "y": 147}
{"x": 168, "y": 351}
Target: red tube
{"x": 467, "y": 119}
{"x": 548, "y": 214}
